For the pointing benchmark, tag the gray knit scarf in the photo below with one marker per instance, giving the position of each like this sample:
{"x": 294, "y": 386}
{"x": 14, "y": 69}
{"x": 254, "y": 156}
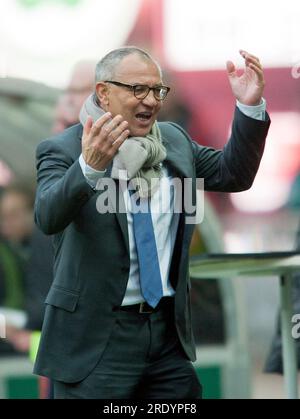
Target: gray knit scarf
{"x": 138, "y": 159}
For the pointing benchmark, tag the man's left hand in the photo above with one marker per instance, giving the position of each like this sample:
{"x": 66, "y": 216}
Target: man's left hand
{"x": 247, "y": 87}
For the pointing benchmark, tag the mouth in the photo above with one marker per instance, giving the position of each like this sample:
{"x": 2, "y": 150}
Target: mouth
{"x": 144, "y": 117}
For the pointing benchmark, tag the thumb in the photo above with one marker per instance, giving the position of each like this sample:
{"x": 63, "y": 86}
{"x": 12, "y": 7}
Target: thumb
{"x": 231, "y": 70}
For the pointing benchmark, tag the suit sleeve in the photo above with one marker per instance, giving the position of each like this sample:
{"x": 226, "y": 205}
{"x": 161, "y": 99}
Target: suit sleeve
{"x": 233, "y": 169}
{"x": 62, "y": 188}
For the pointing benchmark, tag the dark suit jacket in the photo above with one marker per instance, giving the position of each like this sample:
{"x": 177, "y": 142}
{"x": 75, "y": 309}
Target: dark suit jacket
{"x": 91, "y": 250}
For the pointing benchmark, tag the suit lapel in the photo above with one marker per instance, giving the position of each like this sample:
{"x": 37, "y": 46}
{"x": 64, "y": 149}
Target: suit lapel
{"x": 119, "y": 210}
{"x": 115, "y": 204}
{"x": 122, "y": 220}
{"x": 181, "y": 166}
{"x": 177, "y": 158}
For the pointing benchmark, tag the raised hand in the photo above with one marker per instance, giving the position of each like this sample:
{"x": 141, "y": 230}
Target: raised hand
{"x": 247, "y": 87}
{"x": 102, "y": 139}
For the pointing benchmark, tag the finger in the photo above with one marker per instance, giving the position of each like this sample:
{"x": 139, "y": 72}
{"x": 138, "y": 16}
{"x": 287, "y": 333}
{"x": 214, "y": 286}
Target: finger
{"x": 231, "y": 70}
{"x": 113, "y": 124}
{"x": 109, "y": 134}
{"x": 259, "y": 72}
{"x": 114, "y": 135}
{"x": 100, "y": 123}
{"x": 117, "y": 144}
{"x": 247, "y": 55}
{"x": 250, "y": 60}
{"x": 87, "y": 126}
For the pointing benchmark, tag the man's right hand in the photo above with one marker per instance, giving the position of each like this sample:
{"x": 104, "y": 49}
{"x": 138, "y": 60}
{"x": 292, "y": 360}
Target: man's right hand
{"x": 101, "y": 140}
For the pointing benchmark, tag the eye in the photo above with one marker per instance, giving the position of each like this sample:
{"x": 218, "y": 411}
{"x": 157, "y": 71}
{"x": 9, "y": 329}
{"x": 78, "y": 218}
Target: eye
{"x": 140, "y": 90}
{"x": 160, "y": 92}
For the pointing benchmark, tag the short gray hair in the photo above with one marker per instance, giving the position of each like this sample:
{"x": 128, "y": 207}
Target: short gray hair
{"x": 105, "y": 68}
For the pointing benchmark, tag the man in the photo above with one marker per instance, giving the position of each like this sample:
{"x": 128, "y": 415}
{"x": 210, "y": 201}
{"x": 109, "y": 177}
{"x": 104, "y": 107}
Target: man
{"x": 117, "y": 322}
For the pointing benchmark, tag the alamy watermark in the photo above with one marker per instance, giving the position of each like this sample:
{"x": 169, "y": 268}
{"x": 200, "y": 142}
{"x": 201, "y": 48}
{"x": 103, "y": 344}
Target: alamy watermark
{"x": 172, "y": 195}
{"x": 296, "y": 328}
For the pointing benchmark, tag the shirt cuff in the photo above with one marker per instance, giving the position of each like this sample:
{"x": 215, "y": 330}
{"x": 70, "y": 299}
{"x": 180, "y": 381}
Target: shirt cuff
{"x": 92, "y": 175}
{"x": 255, "y": 112}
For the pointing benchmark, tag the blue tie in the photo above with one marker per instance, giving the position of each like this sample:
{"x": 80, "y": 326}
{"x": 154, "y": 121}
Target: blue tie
{"x": 150, "y": 278}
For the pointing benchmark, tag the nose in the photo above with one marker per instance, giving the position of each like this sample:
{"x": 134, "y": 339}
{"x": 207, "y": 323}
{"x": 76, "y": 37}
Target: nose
{"x": 150, "y": 99}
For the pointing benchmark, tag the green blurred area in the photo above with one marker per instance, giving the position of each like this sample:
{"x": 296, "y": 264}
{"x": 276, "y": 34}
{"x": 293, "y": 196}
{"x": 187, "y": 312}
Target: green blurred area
{"x": 26, "y": 117}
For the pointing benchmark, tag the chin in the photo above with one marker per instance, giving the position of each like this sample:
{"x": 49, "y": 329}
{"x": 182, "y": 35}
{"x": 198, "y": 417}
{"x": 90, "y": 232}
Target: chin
{"x": 140, "y": 132}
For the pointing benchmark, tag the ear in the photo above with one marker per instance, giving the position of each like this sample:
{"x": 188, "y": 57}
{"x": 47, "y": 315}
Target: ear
{"x": 102, "y": 91}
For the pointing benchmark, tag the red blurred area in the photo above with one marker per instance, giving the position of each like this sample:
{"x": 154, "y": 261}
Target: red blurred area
{"x": 208, "y": 97}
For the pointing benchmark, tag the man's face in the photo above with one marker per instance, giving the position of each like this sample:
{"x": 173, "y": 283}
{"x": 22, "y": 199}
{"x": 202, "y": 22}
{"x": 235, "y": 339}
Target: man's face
{"x": 140, "y": 114}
